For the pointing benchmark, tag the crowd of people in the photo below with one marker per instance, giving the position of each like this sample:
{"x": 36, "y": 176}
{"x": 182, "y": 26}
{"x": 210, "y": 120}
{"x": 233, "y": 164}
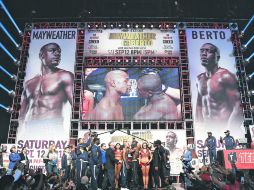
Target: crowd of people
{"x": 94, "y": 165}
{"x": 130, "y": 165}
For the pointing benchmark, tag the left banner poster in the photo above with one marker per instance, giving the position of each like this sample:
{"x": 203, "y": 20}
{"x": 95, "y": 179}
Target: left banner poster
{"x": 46, "y": 101}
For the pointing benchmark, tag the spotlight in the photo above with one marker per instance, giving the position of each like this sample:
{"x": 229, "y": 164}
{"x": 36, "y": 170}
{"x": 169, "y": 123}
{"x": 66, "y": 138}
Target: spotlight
{"x": 7, "y": 109}
{"x": 96, "y": 25}
{"x": 6, "y": 51}
{"x": 247, "y": 25}
{"x": 10, "y": 92}
{"x": 244, "y": 46}
{"x": 104, "y": 26}
{"x": 159, "y": 25}
{"x": 111, "y": 25}
{"x": 119, "y": 25}
{"x": 249, "y": 77}
{"x": 249, "y": 58}
{"x": 252, "y": 108}
{"x": 17, "y": 63}
{"x": 151, "y": 25}
{"x": 167, "y": 25}
{"x": 8, "y": 34}
{"x": 251, "y": 93}
{"x": 88, "y": 26}
{"x": 13, "y": 77}
{"x": 136, "y": 26}
{"x": 128, "y": 25}
{"x": 143, "y": 26}
{"x": 10, "y": 17}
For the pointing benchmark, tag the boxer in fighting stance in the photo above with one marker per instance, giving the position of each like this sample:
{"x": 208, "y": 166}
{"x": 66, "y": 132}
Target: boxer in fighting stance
{"x": 45, "y": 94}
{"x": 160, "y": 106}
{"x": 109, "y": 108}
{"x": 218, "y": 96}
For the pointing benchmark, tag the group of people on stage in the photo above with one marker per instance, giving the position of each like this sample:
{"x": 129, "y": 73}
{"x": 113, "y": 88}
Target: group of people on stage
{"x": 211, "y": 144}
{"x": 16, "y": 158}
{"x": 128, "y": 165}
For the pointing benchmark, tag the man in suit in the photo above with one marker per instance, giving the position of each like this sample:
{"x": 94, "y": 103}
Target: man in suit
{"x": 24, "y": 159}
{"x": 95, "y": 162}
{"x": 110, "y": 166}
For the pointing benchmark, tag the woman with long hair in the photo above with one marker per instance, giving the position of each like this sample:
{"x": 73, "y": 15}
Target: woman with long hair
{"x": 145, "y": 158}
{"x": 52, "y": 158}
{"x": 118, "y": 166}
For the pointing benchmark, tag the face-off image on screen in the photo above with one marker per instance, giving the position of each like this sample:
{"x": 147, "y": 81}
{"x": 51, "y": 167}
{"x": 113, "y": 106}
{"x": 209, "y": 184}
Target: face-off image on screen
{"x": 127, "y": 94}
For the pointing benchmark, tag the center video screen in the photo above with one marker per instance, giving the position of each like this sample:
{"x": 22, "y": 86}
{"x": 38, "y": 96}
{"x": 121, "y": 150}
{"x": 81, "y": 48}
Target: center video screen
{"x": 131, "y": 94}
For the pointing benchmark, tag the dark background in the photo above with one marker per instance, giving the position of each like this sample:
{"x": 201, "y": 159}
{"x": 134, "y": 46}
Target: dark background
{"x": 25, "y": 11}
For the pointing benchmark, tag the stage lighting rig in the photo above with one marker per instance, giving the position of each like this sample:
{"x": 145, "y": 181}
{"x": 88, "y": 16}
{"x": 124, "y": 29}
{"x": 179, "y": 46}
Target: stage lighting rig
{"x": 10, "y": 17}
{"x": 10, "y": 92}
{"x": 247, "y": 25}
{"x": 13, "y": 77}
{"x": 249, "y": 77}
{"x": 9, "y": 54}
{"x": 9, "y": 35}
{"x": 247, "y": 60}
{"x": 251, "y": 93}
{"x": 244, "y": 46}
{"x": 7, "y": 109}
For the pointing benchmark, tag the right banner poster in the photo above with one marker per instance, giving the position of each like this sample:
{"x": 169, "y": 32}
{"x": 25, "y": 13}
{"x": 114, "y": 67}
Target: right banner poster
{"x": 214, "y": 87}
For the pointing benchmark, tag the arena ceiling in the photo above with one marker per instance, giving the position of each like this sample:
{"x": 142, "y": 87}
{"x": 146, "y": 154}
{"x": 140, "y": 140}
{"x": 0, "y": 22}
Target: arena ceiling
{"x": 25, "y": 11}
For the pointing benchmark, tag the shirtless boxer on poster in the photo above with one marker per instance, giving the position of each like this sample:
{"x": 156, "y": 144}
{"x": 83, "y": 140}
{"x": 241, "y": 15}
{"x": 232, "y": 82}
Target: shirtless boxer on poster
{"x": 45, "y": 94}
{"x": 109, "y": 108}
{"x": 218, "y": 96}
{"x": 160, "y": 106}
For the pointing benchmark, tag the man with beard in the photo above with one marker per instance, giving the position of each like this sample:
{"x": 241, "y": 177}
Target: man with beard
{"x": 109, "y": 108}
{"x": 218, "y": 96}
{"x": 175, "y": 152}
{"x": 44, "y": 95}
{"x": 159, "y": 105}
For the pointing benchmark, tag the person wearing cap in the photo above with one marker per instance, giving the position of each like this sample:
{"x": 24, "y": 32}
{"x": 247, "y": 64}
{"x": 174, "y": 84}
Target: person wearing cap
{"x": 14, "y": 158}
{"x": 159, "y": 164}
{"x": 95, "y": 163}
{"x": 81, "y": 162}
{"x": 228, "y": 141}
{"x": 211, "y": 144}
{"x": 66, "y": 163}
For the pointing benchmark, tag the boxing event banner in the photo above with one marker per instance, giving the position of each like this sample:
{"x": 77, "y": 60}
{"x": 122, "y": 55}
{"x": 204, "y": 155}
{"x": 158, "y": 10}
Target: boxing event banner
{"x": 131, "y": 42}
{"x": 214, "y": 86}
{"x": 173, "y": 140}
{"x": 47, "y": 96}
{"x": 128, "y": 94}
{"x": 243, "y": 159}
